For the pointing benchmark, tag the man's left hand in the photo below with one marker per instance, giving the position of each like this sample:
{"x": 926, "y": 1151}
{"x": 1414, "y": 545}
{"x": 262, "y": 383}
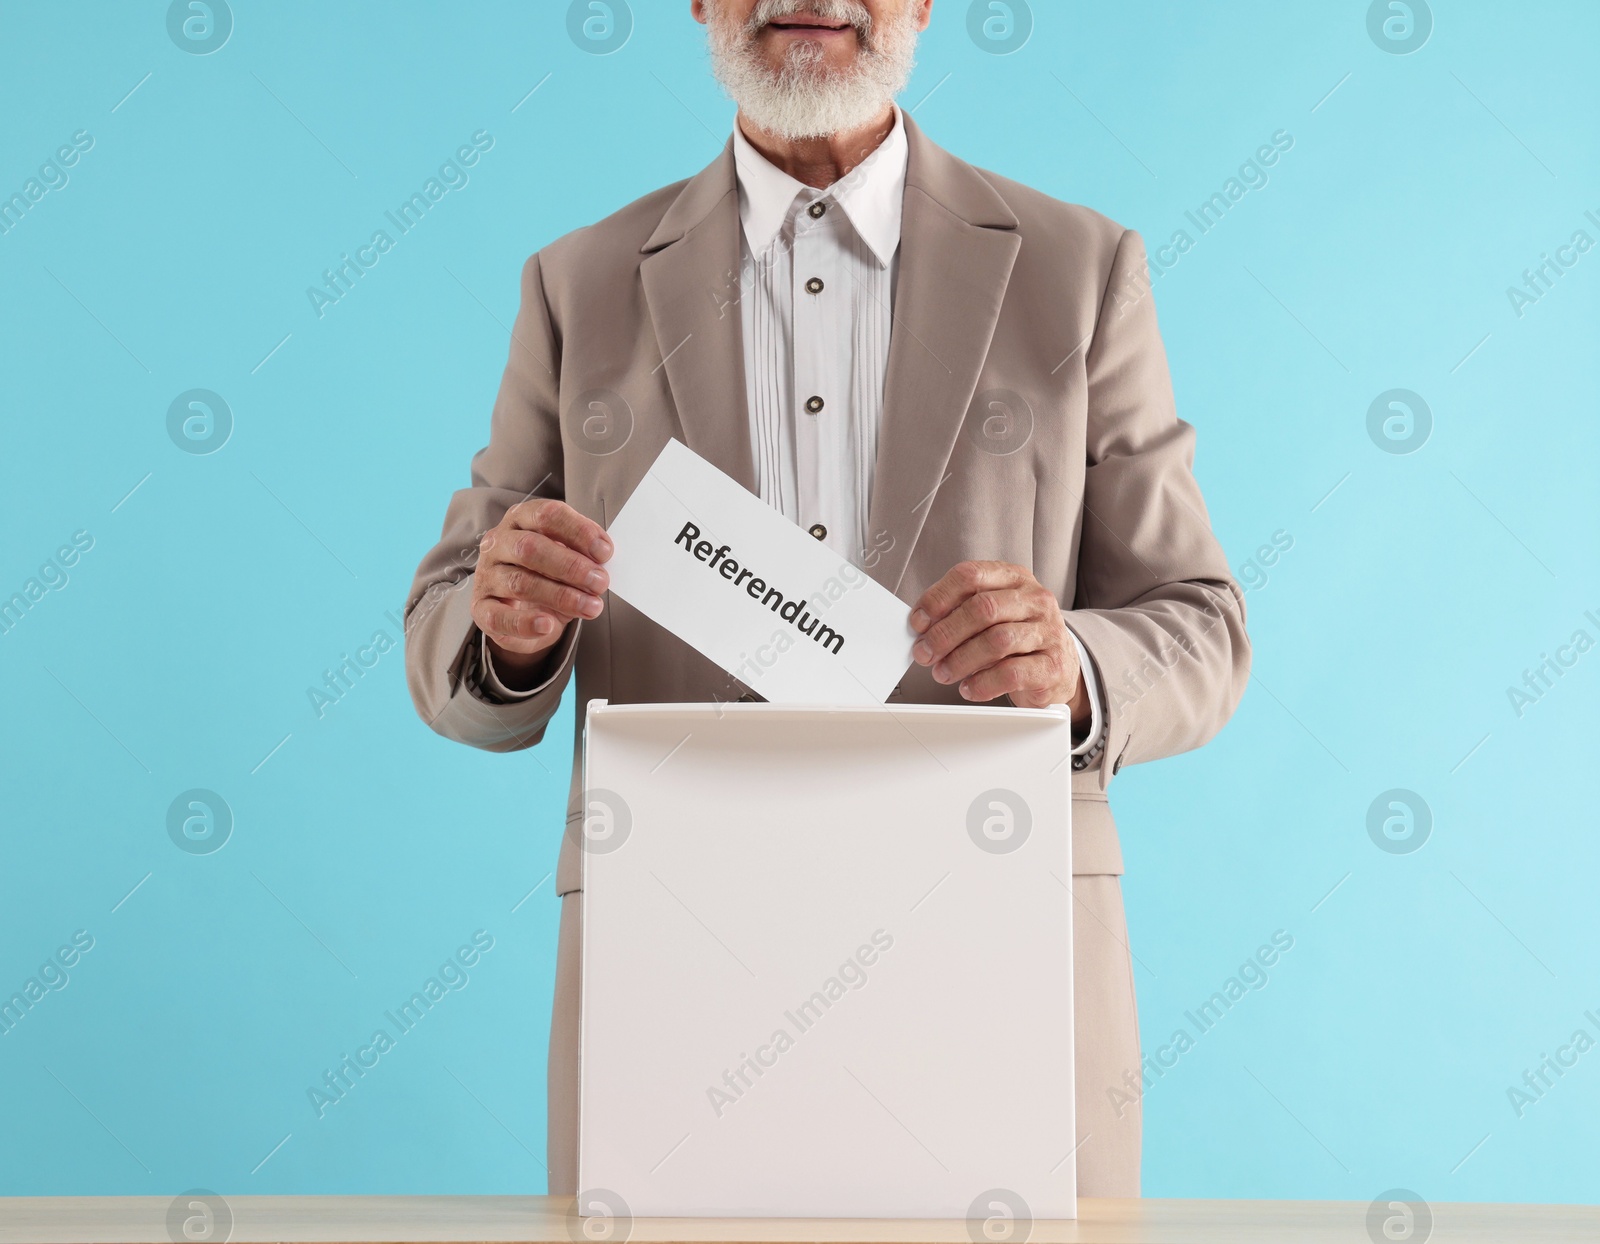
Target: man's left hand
{"x": 996, "y": 630}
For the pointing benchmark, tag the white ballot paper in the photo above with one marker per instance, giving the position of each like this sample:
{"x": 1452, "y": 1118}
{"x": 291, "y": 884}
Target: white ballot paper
{"x": 742, "y": 585}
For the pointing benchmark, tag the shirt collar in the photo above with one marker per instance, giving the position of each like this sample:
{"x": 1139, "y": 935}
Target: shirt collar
{"x": 871, "y": 195}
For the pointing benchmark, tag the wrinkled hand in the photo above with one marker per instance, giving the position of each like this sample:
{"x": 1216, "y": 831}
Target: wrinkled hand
{"x": 996, "y": 630}
{"x": 539, "y": 570}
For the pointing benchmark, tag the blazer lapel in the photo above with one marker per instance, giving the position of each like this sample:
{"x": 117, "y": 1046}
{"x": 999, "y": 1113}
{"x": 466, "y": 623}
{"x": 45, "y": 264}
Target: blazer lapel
{"x": 691, "y": 285}
{"x": 958, "y": 241}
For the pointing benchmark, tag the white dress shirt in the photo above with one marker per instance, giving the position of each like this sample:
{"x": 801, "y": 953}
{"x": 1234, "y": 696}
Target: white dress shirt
{"x": 816, "y": 305}
{"x": 816, "y": 279}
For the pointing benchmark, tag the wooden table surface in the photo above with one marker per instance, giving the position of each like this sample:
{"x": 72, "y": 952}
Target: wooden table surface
{"x": 402, "y": 1219}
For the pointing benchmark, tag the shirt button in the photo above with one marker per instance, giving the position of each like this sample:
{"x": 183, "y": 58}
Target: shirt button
{"x": 814, "y": 286}
{"x": 814, "y": 405}
{"x": 818, "y": 530}
{"x": 816, "y": 209}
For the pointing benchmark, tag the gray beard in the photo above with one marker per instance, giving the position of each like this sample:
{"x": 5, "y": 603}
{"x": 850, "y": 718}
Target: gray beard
{"x": 804, "y": 99}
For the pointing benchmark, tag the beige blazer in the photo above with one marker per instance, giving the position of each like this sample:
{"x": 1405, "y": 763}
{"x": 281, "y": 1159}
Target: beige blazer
{"x": 1027, "y": 417}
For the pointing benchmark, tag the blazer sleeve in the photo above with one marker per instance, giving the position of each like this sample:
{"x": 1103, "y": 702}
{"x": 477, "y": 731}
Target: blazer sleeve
{"x": 523, "y": 458}
{"x": 1156, "y": 605}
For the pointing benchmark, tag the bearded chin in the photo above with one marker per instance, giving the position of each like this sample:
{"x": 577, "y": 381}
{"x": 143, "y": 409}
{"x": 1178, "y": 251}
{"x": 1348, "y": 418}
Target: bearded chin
{"x": 805, "y": 98}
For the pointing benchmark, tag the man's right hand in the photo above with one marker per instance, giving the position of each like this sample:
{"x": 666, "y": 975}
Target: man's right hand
{"x": 538, "y": 571}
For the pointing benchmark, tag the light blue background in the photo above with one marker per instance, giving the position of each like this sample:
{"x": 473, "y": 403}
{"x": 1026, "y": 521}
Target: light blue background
{"x": 365, "y": 850}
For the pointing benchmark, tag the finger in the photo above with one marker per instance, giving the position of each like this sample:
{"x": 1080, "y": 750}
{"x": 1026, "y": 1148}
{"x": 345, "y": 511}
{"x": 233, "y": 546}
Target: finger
{"x": 1032, "y": 676}
{"x": 1002, "y": 640}
{"x": 971, "y": 616}
{"x": 506, "y": 623}
{"x": 961, "y": 581}
{"x": 560, "y": 521}
{"x": 542, "y": 555}
{"x": 518, "y": 585}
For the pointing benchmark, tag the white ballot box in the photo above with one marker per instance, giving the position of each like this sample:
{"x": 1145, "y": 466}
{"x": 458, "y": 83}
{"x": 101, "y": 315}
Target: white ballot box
{"x": 827, "y": 962}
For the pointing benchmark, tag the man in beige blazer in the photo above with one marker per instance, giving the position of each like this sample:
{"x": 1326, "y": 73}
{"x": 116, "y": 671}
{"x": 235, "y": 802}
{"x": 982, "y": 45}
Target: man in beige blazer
{"x": 1031, "y": 497}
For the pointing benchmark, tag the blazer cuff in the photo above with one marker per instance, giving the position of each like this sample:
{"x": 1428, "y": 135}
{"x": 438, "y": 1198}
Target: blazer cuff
{"x": 1110, "y": 650}
{"x": 491, "y": 689}
{"x": 442, "y": 672}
